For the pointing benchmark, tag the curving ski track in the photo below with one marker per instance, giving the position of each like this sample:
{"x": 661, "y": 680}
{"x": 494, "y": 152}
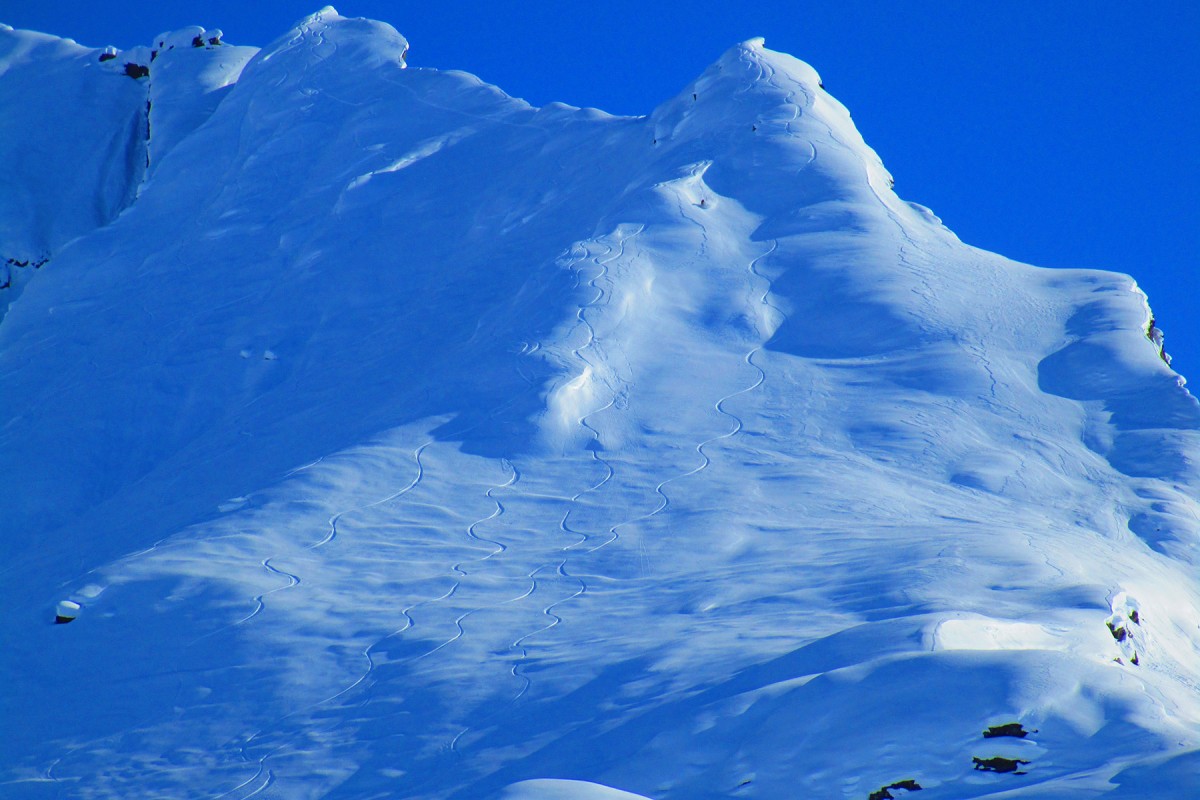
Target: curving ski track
{"x": 333, "y": 521}
{"x": 245, "y": 746}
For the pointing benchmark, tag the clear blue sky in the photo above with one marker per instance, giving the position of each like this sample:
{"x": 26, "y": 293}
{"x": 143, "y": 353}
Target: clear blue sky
{"x": 1063, "y": 134}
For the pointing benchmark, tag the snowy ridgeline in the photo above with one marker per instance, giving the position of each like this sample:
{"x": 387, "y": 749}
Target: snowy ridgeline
{"x": 398, "y": 439}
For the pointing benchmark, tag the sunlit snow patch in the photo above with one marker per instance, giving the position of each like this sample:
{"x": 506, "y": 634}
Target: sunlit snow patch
{"x": 554, "y": 789}
{"x": 975, "y": 632}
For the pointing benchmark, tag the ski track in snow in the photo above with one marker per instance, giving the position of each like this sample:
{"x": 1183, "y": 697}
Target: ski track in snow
{"x": 613, "y": 535}
{"x": 738, "y": 424}
{"x": 553, "y": 564}
{"x": 601, "y": 260}
{"x": 246, "y": 744}
{"x": 294, "y": 580}
{"x": 333, "y": 521}
{"x": 927, "y": 292}
{"x": 304, "y": 467}
{"x": 461, "y": 574}
{"x": 664, "y": 503}
{"x": 719, "y": 405}
{"x": 490, "y": 494}
{"x": 559, "y": 567}
{"x": 581, "y": 316}
{"x": 456, "y": 569}
{"x": 613, "y": 532}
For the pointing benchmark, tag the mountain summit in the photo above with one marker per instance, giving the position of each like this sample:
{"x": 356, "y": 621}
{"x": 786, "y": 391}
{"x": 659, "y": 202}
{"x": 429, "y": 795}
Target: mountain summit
{"x": 387, "y": 436}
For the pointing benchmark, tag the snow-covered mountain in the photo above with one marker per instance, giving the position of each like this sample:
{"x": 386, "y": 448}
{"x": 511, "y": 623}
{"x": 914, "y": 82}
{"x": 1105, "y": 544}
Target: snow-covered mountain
{"x": 399, "y": 439}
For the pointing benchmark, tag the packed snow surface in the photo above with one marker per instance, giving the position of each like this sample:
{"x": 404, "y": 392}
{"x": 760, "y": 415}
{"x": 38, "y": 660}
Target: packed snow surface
{"x": 398, "y": 439}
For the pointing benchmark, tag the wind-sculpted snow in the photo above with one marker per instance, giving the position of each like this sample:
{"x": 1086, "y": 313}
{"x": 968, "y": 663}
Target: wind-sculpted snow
{"x": 190, "y": 75}
{"x": 72, "y": 142}
{"x": 399, "y": 439}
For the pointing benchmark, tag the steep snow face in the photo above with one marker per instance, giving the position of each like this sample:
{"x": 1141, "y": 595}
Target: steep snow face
{"x": 85, "y": 126}
{"x": 190, "y": 74}
{"x": 72, "y": 141}
{"x": 403, "y": 440}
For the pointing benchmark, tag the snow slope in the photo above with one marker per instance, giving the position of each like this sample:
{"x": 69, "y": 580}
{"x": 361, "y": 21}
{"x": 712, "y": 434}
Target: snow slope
{"x": 400, "y": 439}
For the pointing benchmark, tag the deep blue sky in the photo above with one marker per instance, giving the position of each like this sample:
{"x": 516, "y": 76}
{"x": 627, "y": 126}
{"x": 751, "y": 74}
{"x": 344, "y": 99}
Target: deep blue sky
{"x": 1063, "y": 134}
